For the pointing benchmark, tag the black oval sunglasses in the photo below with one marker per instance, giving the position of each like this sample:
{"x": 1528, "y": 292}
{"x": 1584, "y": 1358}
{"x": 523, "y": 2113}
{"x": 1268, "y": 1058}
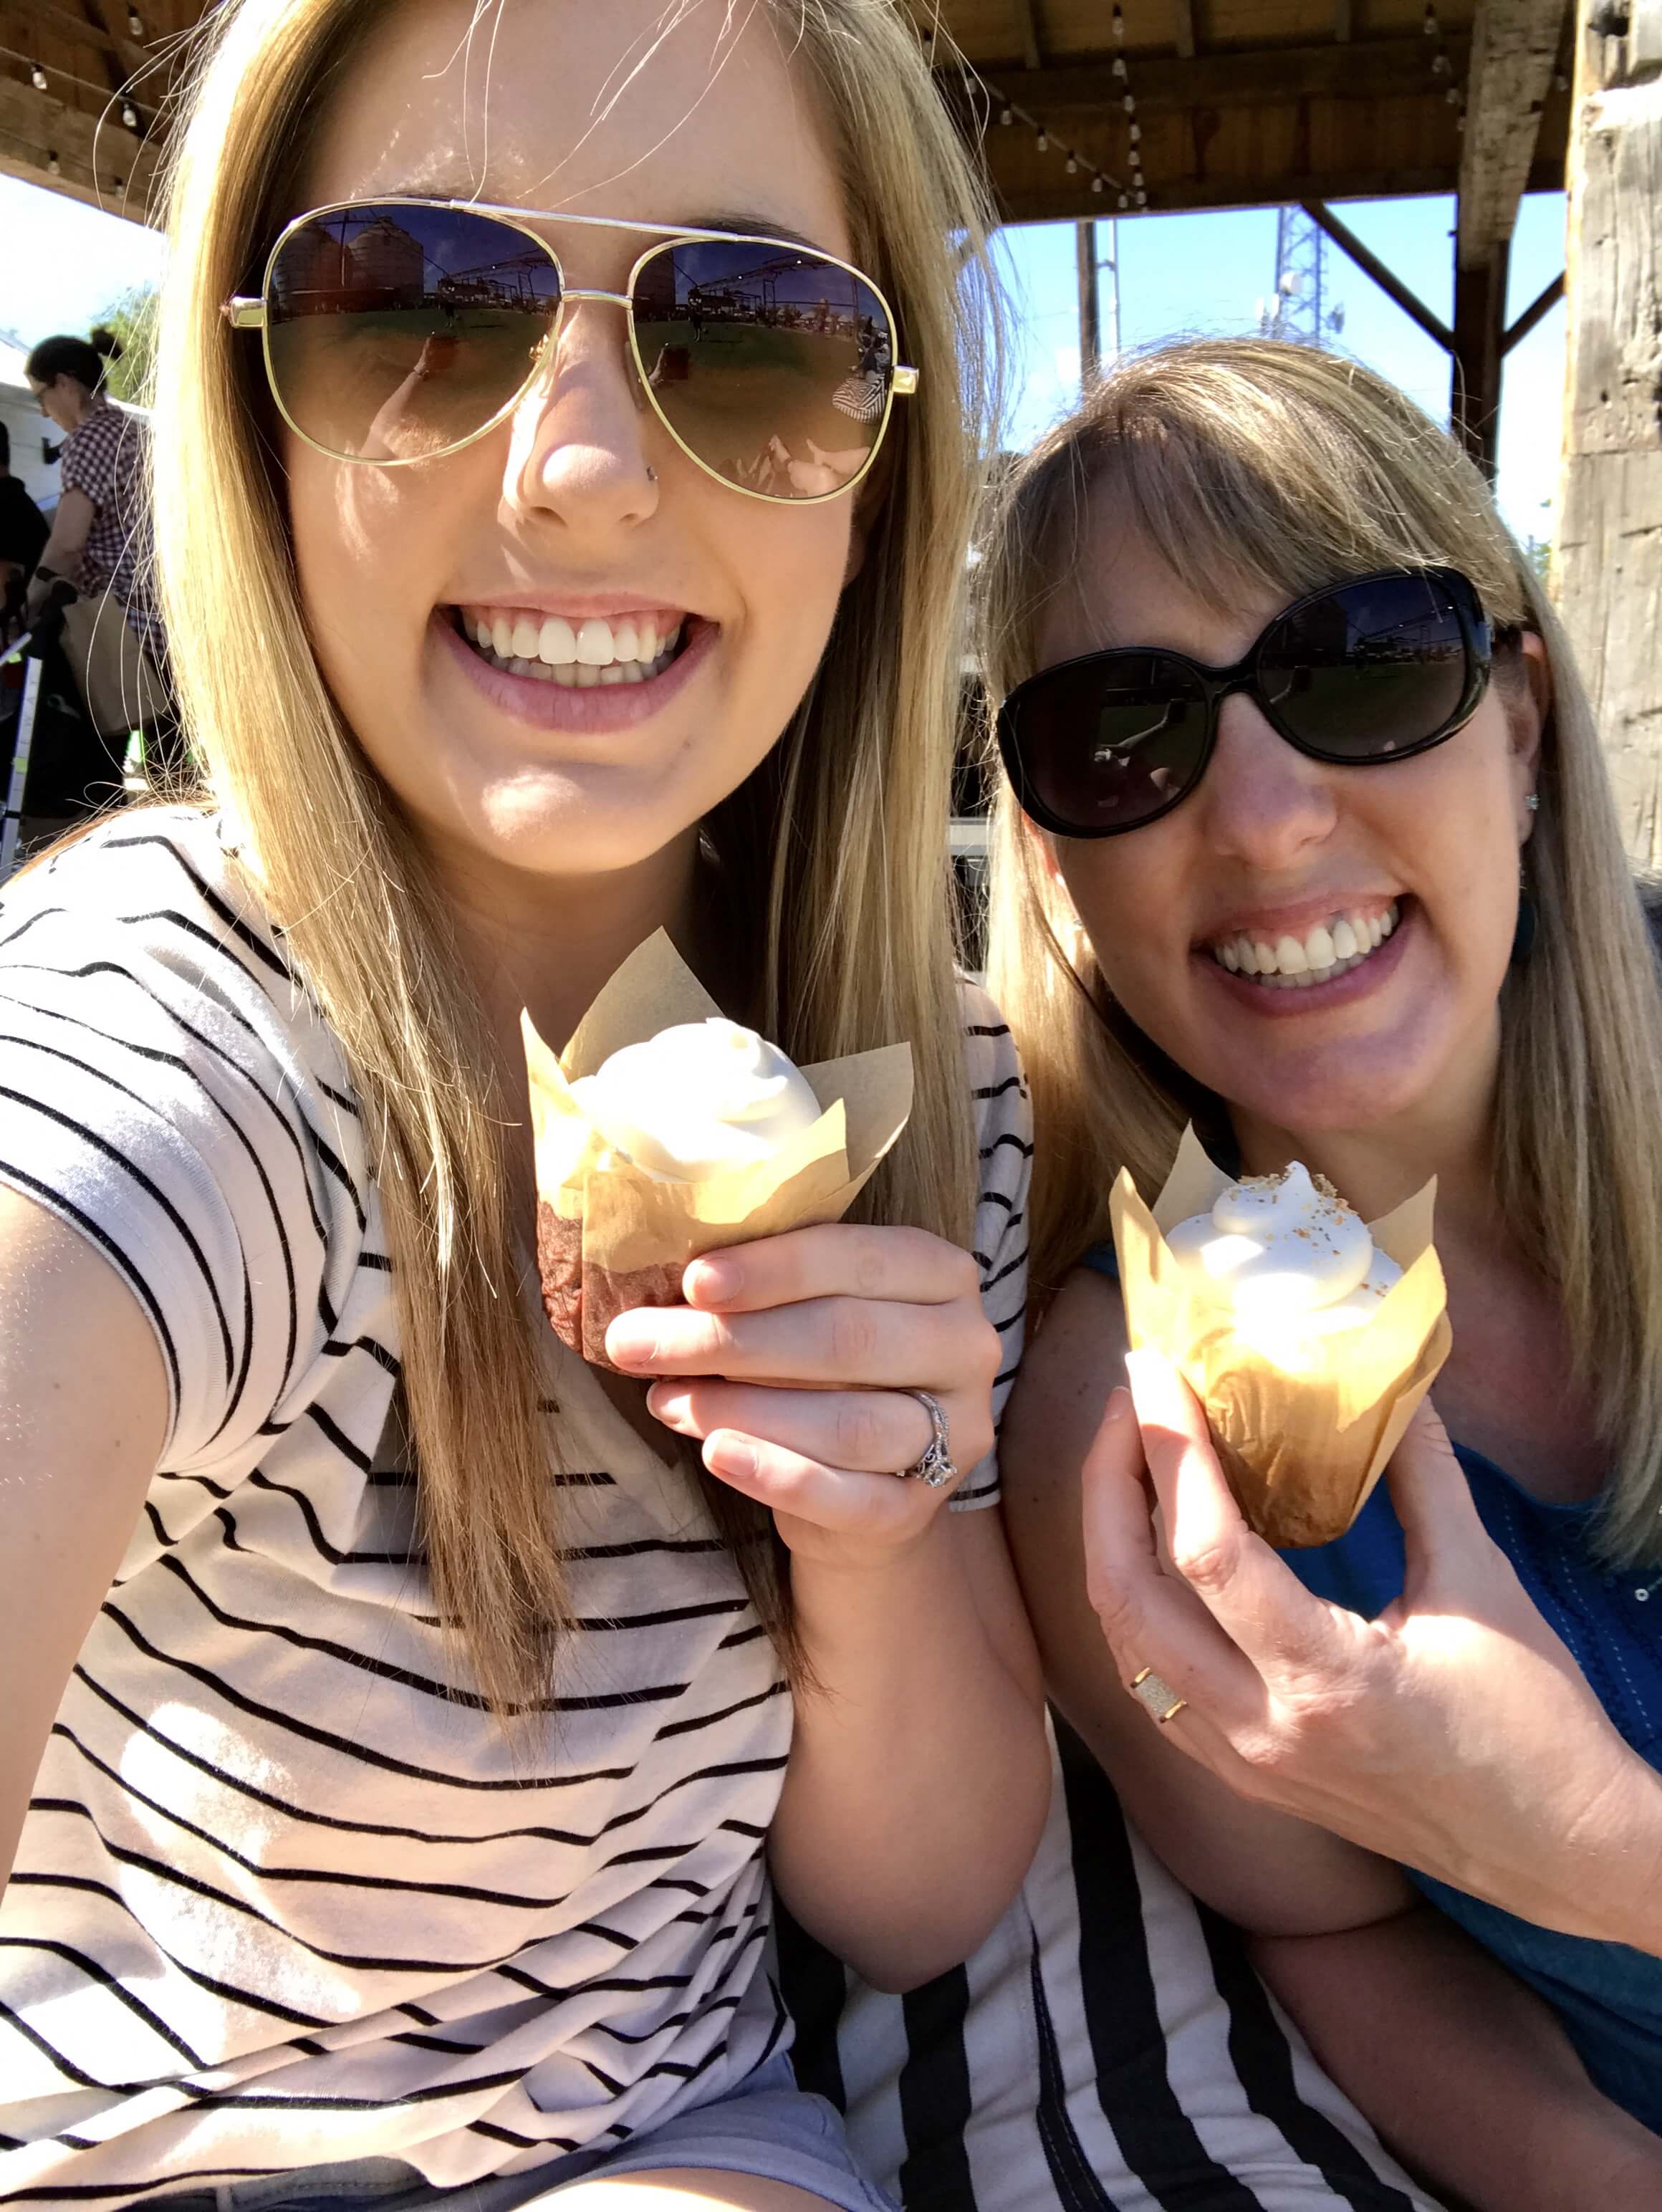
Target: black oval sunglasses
{"x": 1373, "y": 670}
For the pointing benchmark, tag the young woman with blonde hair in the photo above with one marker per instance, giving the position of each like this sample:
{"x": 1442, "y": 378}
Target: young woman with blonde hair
{"x": 397, "y": 1711}
{"x": 1285, "y": 714}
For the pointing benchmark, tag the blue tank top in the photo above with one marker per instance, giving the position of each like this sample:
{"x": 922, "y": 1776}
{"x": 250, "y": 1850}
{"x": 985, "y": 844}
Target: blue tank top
{"x": 1608, "y": 1996}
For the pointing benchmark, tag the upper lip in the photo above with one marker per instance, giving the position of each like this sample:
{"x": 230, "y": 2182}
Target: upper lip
{"x": 583, "y": 605}
{"x": 1297, "y": 916}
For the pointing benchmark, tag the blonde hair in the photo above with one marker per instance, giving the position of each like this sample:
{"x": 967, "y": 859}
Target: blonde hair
{"x": 1250, "y": 466}
{"x": 834, "y": 852}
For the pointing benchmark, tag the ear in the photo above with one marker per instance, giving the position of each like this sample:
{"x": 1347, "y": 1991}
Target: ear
{"x": 1528, "y": 707}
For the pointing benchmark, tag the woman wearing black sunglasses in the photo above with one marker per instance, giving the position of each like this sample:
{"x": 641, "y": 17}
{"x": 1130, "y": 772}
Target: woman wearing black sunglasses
{"x": 1306, "y": 837}
{"x": 401, "y": 1720}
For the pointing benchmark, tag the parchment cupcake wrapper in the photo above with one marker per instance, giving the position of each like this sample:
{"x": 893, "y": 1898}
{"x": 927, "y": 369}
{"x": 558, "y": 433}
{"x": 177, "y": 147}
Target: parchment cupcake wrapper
{"x": 1303, "y": 1437}
{"x": 609, "y": 1234}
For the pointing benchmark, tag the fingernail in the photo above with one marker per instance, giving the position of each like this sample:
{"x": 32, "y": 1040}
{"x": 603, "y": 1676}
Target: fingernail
{"x": 724, "y": 1453}
{"x": 1118, "y": 1405}
{"x": 668, "y": 1404}
{"x": 710, "y": 1281}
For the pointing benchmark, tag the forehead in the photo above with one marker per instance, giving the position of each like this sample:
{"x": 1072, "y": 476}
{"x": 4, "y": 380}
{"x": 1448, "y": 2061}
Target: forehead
{"x": 1114, "y": 587}
{"x": 678, "y": 114}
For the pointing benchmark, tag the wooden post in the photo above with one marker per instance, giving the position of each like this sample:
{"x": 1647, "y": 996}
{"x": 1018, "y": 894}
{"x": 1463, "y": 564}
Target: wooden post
{"x": 1608, "y": 565}
{"x": 1090, "y": 309}
{"x": 1480, "y": 302}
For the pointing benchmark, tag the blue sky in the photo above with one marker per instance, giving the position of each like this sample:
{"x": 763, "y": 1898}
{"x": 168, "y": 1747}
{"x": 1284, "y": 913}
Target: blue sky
{"x": 60, "y": 263}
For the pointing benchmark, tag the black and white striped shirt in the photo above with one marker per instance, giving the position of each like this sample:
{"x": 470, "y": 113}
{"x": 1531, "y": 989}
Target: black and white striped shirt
{"x": 282, "y": 1896}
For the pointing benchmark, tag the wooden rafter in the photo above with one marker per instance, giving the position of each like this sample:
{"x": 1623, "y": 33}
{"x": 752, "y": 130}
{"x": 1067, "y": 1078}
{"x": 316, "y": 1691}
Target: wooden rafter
{"x": 1384, "y": 277}
{"x": 1514, "y": 50}
{"x": 1183, "y": 27}
{"x": 1026, "y": 25}
{"x": 1343, "y": 23}
{"x": 98, "y": 160}
{"x": 1395, "y": 69}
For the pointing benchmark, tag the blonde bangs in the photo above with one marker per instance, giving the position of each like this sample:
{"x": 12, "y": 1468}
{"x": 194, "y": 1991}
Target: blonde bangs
{"x": 1254, "y": 470}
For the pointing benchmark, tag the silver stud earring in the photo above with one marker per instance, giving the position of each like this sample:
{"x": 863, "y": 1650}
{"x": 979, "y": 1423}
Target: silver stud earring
{"x": 1533, "y": 802}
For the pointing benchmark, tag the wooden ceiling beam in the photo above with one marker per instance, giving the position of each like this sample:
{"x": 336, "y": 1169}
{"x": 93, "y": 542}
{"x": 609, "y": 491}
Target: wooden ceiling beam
{"x": 1514, "y": 52}
{"x": 132, "y": 51}
{"x": 1026, "y": 24}
{"x": 1343, "y": 23}
{"x": 1375, "y": 68}
{"x": 1059, "y": 197}
{"x": 1182, "y": 29}
{"x": 105, "y": 165}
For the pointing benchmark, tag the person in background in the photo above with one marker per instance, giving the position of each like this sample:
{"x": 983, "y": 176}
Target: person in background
{"x": 100, "y": 536}
{"x": 23, "y": 531}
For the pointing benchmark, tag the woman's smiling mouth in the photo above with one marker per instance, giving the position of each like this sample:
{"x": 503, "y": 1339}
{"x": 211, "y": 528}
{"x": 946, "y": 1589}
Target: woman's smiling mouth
{"x": 576, "y": 670}
{"x": 1315, "y": 964}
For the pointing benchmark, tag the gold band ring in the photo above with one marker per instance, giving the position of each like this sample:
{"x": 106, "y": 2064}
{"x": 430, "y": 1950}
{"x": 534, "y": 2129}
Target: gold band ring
{"x": 1161, "y": 1699}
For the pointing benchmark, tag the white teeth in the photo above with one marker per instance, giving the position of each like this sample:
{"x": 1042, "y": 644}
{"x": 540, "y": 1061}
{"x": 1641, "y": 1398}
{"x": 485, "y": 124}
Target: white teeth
{"x": 528, "y": 638}
{"x": 612, "y": 673}
{"x": 1294, "y": 963}
{"x": 558, "y": 642}
{"x": 502, "y": 638}
{"x": 646, "y": 644}
{"x": 587, "y": 676}
{"x": 564, "y": 673}
{"x": 625, "y": 642}
{"x": 594, "y": 643}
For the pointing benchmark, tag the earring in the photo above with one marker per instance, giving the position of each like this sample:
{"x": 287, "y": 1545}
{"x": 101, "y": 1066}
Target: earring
{"x": 1533, "y": 802}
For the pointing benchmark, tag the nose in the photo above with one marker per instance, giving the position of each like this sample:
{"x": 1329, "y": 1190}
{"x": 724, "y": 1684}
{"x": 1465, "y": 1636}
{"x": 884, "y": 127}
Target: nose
{"x": 578, "y": 454}
{"x": 1267, "y": 804}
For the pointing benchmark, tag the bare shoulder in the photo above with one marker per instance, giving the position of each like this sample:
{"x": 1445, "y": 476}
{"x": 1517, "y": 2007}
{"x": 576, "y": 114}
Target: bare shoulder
{"x": 1070, "y": 1368}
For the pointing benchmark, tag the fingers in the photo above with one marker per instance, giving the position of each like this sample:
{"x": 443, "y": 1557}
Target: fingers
{"x": 874, "y": 1508}
{"x": 868, "y": 1431}
{"x": 836, "y": 1260}
{"x": 1148, "y": 1618}
{"x": 1433, "y": 1498}
{"x": 1260, "y": 1603}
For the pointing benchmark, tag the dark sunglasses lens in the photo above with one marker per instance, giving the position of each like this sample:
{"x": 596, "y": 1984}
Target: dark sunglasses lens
{"x": 771, "y": 365}
{"x": 1373, "y": 669}
{"x": 1110, "y": 742}
{"x": 394, "y": 333}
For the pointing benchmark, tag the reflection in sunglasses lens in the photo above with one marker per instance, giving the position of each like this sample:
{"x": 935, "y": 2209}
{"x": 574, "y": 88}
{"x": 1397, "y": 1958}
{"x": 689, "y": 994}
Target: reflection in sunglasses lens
{"x": 1370, "y": 669}
{"x": 769, "y": 364}
{"x": 398, "y": 332}
{"x": 1110, "y": 744}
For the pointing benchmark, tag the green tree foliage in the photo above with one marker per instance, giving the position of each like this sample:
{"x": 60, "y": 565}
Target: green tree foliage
{"x": 132, "y": 317}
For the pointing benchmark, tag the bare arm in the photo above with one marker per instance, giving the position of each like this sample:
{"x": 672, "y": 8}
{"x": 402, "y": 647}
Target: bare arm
{"x": 1263, "y": 1868}
{"x": 926, "y": 1678}
{"x": 1466, "y": 2074}
{"x": 83, "y": 1407}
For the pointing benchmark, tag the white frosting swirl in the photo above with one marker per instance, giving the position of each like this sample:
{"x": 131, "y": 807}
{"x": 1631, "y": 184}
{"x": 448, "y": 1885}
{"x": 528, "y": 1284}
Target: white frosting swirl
{"x": 698, "y": 1099}
{"x": 1279, "y": 1249}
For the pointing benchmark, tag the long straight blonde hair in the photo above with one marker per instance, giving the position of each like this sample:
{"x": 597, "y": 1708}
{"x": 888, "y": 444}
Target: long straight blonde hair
{"x": 834, "y": 852}
{"x": 1254, "y": 467}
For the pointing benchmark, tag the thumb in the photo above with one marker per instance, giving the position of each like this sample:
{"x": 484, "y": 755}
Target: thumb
{"x": 1441, "y": 1524}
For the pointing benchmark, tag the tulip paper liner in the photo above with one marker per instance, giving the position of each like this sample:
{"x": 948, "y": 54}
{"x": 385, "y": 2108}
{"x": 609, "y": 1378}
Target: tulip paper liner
{"x": 611, "y": 1235}
{"x": 1303, "y": 1435}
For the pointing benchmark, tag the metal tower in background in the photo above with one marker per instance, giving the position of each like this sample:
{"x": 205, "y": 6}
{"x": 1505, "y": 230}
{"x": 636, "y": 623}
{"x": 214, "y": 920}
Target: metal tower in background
{"x": 1300, "y": 309}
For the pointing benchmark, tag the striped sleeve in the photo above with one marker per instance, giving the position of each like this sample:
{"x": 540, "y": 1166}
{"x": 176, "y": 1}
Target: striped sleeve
{"x": 155, "y": 1095}
{"x": 1004, "y": 1140}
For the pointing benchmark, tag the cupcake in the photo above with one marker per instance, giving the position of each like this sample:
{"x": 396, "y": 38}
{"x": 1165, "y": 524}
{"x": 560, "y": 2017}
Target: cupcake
{"x": 664, "y": 1130}
{"x": 1309, "y": 1335}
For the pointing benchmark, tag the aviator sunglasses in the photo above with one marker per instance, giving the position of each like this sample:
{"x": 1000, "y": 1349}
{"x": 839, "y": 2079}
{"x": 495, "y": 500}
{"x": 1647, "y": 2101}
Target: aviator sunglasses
{"x": 1364, "y": 672}
{"x": 396, "y": 331}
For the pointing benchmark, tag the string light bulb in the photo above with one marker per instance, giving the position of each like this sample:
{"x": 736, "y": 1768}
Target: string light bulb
{"x": 129, "y": 115}
{"x": 1125, "y": 199}
{"x": 1043, "y": 142}
{"x": 135, "y": 23}
{"x": 1118, "y": 22}
{"x": 1073, "y": 167}
{"x": 1119, "y": 65}
{"x": 1136, "y": 132}
{"x": 1429, "y": 26}
{"x": 37, "y": 77}
{"x": 1096, "y": 184}
{"x": 1007, "y": 116}
{"x": 1129, "y": 104}
{"x": 54, "y": 166}
{"x": 1141, "y": 197}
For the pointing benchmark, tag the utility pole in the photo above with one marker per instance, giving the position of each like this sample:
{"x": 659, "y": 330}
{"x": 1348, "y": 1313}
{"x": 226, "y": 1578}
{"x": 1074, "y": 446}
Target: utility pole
{"x": 1090, "y": 310}
{"x": 1608, "y": 563}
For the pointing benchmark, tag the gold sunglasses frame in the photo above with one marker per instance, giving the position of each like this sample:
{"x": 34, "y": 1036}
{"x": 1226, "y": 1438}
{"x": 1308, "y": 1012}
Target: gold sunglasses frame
{"x": 244, "y": 313}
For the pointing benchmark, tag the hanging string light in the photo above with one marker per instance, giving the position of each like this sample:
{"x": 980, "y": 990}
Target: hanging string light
{"x": 1009, "y": 114}
{"x": 37, "y": 77}
{"x": 129, "y": 115}
{"x": 135, "y": 23}
{"x": 54, "y": 166}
